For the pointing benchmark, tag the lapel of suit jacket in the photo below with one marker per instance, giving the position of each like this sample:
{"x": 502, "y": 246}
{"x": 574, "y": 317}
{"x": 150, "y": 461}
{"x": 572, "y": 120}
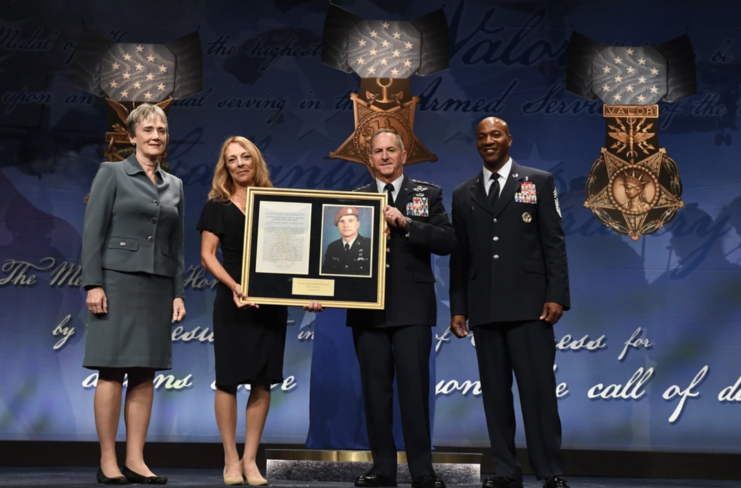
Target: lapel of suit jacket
{"x": 510, "y": 188}
{"x": 478, "y": 194}
{"x": 134, "y": 169}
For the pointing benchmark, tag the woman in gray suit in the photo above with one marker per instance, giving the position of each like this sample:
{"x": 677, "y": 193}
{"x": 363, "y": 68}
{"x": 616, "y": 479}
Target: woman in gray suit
{"x": 132, "y": 267}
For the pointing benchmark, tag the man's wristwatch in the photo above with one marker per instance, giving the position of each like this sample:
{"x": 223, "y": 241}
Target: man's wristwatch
{"x": 409, "y": 222}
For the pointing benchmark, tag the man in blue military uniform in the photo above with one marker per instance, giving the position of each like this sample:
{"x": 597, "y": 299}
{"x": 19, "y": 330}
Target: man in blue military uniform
{"x": 350, "y": 254}
{"x": 509, "y": 278}
{"x": 398, "y": 339}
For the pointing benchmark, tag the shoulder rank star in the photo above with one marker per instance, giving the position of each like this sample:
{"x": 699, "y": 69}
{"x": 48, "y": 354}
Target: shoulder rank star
{"x": 420, "y": 188}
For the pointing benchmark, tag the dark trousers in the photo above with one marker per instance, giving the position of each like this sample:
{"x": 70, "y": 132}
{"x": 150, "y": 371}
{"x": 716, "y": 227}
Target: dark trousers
{"x": 528, "y": 349}
{"x": 406, "y": 349}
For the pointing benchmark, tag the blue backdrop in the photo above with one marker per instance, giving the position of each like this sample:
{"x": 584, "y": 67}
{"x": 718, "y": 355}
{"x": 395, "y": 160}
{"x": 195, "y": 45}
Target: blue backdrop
{"x": 648, "y": 357}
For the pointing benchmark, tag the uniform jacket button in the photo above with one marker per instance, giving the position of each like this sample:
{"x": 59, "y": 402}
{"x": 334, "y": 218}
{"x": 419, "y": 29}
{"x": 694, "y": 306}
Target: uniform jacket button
{"x": 154, "y": 220}
{"x": 496, "y": 256}
{"x": 156, "y": 202}
{"x": 150, "y": 238}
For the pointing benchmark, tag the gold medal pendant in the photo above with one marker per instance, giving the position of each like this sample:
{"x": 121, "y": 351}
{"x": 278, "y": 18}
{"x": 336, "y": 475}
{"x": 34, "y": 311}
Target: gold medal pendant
{"x": 634, "y": 186}
{"x": 379, "y": 109}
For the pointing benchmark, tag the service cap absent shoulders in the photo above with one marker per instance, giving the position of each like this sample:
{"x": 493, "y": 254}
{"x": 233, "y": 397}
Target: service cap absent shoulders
{"x": 364, "y": 187}
{"x": 421, "y": 182}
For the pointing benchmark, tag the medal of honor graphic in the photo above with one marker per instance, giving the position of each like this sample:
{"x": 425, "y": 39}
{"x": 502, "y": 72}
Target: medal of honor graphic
{"x": 127, "y": 74}
{"x": 633, "y": 186}
{"x": 384, "y": 54}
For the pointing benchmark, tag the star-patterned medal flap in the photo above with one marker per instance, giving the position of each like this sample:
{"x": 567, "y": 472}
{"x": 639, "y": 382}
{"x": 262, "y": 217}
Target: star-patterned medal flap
{"x": 138, "y": 72}
{"x": 384, "y": 49}
{"x": 630, "y": 75}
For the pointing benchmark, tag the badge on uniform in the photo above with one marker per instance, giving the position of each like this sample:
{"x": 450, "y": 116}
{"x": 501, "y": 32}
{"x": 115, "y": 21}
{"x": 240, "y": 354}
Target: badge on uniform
{"x": 527, "y": 193}
{"x": 527, "y": 218}
{"x": 418, "y": 207}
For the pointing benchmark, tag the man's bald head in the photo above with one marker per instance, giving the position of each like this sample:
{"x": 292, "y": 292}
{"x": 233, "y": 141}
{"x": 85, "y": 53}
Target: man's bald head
{"x": 493, "y": 141}
{"x": 496, "y": 122}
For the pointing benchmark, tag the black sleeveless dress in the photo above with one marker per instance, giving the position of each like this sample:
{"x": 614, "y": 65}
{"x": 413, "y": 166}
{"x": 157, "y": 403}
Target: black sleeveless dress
{"x": 249, "y": 342}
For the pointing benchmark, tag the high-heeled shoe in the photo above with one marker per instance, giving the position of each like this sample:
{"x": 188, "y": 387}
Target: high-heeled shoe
{"x": 253, "y": 481}
{"x": 143, "y": 480}
{"x": 234, "y": 481}
{"x": 104, "y": 480}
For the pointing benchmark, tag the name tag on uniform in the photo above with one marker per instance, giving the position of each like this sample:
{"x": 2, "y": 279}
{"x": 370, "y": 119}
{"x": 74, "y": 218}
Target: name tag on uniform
{"x": 418, "y": 207}
{"x": 527, "y": 193}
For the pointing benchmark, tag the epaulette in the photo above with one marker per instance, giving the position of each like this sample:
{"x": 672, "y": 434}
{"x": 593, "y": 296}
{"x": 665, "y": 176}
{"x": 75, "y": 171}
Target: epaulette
{"x": 425, "y": 183}
{"x": 363, "y": 187}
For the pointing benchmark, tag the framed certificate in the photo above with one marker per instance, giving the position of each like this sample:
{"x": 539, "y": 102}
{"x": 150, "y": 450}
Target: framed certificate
{"x": 304, "y": 245}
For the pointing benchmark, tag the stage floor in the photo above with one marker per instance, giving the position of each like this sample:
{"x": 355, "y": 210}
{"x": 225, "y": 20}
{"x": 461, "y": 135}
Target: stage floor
{"x": 211, "y": 477}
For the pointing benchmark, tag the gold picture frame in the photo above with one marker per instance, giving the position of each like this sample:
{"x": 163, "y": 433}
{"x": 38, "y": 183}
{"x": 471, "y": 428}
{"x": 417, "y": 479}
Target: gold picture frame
{"x": 292, "y": 235}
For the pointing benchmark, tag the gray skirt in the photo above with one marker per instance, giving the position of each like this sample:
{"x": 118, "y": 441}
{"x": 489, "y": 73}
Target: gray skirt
{"x": 136, "y": 331}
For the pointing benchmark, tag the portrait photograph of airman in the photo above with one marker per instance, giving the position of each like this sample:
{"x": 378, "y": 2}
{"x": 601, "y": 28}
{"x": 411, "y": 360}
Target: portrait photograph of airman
{"x": 347, "y": 241}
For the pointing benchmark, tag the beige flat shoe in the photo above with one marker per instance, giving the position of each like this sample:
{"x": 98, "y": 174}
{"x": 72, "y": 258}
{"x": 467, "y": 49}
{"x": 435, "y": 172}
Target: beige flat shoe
{"x": 233, "y": 481}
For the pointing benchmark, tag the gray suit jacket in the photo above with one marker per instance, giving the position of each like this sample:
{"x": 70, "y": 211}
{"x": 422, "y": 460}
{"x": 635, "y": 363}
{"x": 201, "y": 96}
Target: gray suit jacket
{"x": 133, "y": 226}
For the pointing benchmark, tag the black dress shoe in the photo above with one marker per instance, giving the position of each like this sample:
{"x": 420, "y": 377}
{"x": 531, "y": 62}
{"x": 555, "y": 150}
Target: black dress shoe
{"x": 555, "y": 482}
{"x": 103, "y": 479}
{"x": 373, "y": 479}
{"x": 501, "y": 482}
{"x": 428, "y": 481}
{"x": 143, "y": 480}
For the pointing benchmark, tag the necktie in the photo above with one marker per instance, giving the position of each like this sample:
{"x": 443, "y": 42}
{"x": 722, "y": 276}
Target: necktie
{"x": 347, "y": 247}
{"x": 389, "y": 188}
{"x": 494, "y": 189}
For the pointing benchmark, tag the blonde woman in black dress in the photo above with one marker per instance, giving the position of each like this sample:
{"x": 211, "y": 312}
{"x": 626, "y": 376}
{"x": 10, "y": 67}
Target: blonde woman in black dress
{"x": 249, "y": 340}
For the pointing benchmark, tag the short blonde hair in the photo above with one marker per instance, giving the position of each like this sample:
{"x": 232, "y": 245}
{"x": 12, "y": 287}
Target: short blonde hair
{"x": 223, "y": 187}
{"x": 143, "y": 112}
{"x": 386, "y": 131}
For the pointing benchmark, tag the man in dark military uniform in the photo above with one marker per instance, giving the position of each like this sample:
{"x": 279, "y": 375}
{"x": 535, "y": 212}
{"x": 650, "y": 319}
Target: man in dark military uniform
{"x": 349, "y": 255}
{"x": 510, "y": 280}
{"x": 397, "y": 341}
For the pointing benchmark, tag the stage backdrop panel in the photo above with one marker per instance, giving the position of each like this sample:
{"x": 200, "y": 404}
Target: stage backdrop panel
{"x": 649, "y": 355}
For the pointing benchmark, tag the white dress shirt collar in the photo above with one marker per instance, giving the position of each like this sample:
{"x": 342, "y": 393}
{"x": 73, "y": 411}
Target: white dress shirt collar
{"x": 351, "y": 242}
{"x": 397, "y": 186}
{"x": 503, "y": 175}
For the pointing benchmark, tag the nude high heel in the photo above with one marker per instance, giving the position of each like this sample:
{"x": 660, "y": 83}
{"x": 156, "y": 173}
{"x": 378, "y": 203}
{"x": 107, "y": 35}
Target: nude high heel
{"x": 253, "y": 481}
{"x": 233, "y": 481}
